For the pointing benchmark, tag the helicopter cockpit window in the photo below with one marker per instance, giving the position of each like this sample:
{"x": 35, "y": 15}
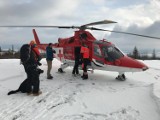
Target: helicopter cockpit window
{"x": 111, "y": 53}
{"x": 97, "y": 51}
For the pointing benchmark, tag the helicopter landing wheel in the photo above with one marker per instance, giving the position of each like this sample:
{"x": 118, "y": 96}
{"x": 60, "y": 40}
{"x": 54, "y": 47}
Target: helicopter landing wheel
{"x": 60, "y": 70}
{"x": 121, "y": 77}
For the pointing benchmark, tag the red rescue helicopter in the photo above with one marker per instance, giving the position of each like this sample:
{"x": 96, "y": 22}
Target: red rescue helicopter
{"x": 104, "y": 55}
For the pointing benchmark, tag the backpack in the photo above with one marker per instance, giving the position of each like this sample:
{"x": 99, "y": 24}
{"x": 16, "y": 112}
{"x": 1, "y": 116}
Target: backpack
{"x": 25, "y": 51}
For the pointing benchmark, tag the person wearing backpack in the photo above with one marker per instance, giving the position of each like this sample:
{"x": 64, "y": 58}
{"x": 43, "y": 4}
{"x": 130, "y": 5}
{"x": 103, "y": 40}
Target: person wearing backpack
{"x": 30, "y": 62}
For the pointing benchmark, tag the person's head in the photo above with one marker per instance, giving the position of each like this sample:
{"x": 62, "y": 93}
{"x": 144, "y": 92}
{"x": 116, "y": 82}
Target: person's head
{"x": 84, "y": 45}
{"x": 50, "y": 44}
{"x": 32, "y": 43}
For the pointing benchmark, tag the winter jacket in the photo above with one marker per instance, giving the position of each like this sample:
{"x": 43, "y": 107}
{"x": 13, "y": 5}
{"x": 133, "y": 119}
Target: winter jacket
{"x": 85, "y": 52}
{"x": 49, "y": 53}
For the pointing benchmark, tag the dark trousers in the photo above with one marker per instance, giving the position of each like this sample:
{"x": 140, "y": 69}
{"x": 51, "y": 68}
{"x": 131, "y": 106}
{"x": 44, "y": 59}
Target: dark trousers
{"x": 75, "y": 69}
{"x": 85, "y": 62}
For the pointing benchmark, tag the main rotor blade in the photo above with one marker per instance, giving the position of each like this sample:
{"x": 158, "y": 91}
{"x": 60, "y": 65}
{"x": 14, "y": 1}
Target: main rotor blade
{"x": 82, "y": 27}
{"x": 41, "y": 26}
{"x": 93, "y": 28}
{"x": 100, "y": 22}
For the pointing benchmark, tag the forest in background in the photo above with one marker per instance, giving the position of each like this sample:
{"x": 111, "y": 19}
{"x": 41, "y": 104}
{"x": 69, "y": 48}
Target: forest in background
{"x": 136, "y": 54}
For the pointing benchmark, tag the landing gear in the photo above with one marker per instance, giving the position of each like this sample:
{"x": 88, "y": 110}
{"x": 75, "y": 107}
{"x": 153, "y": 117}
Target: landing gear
{"x": 60, "y": 70}
{"x": 121, "y": 77}
{"x": 63, "y": 66}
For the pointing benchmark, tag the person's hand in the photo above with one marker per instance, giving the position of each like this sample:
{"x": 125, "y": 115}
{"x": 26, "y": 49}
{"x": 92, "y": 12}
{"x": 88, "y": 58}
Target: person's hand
{"x": 39, "y": 58}
{"x": 54, "y": 51}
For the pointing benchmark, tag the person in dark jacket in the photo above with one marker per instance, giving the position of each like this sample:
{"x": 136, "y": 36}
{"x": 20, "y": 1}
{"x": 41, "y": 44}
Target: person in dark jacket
{"x": 49, "y": 57}
{"x": 32, "y": 77}
{"x": 32, "y": 71}
{"x": 77, "y": 56}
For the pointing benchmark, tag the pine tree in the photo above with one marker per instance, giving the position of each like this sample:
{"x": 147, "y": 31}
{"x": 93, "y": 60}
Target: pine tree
{"x": 0, "y": 51}
{"x": 135, "y": 53}
{"x": 12, "y": 48}
{"x": 154, "y": 54}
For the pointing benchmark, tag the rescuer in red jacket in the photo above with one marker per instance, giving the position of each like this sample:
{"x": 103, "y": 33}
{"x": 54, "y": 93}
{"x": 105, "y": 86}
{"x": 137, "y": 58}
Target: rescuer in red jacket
{"x": 85, "y": 59}
{"x": 35, "y": 49}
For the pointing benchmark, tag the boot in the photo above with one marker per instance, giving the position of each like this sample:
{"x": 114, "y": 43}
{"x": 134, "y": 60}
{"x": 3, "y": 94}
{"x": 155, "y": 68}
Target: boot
{"x": 85, "y": 77}
{"x": 50, "y": 77}
{"x": 37, "y": 94}
{"x": 29, "y": 93}
{"x": 82, "y": 76}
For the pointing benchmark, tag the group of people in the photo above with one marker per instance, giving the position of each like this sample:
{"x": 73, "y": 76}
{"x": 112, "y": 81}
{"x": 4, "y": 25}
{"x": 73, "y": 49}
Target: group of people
{"x": 81, "y": 57}
{"x": 30, "y": 58}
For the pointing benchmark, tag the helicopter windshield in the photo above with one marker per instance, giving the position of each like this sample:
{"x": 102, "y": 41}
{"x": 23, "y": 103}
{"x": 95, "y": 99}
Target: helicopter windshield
{"x": 111, "y": 53}
{"x": 97, "y": 51}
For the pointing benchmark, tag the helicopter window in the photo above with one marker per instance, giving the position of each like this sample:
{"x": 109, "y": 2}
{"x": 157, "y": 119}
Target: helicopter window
{"x": 83, "y": 36}
{"x": 71, "y": 40}
{"x": 97, "y": 51}
{"x": 111, "y": 53}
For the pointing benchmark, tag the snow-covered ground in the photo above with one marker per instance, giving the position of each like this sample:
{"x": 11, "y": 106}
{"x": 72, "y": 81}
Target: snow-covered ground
{"x": 71, "y": 98}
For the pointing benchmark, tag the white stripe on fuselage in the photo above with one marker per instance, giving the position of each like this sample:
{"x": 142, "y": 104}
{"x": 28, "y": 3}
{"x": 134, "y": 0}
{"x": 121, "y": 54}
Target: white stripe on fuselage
{"x": 107, "y": 67}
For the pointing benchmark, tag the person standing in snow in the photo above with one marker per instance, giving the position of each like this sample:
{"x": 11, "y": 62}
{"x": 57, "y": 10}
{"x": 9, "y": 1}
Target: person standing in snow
{"x": 30, "y": 60}
{"x": 49, "y": 57}
{"x": 33, "y": 70}
{"x": 85, "y": 56}
{"x": 77, "y": 61}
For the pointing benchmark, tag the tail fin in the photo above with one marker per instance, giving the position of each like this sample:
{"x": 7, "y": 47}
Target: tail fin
{"x": 13, "y": 92}
{"x": 36, "y": 37}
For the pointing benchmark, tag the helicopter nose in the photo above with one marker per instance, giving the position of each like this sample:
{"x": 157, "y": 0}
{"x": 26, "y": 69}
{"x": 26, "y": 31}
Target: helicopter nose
{"x": 132, "y": 63}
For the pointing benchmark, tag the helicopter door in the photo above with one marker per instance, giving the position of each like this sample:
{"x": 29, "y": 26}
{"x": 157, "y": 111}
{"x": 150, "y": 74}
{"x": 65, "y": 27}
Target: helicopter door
{"x": 97, "y": 55}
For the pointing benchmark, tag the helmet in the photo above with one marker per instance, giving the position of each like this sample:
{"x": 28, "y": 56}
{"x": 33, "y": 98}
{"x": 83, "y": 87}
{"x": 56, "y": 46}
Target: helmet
{"x": 32, "y": 42}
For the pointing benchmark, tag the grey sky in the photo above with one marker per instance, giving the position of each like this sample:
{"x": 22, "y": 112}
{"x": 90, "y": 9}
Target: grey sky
{"x": 138, "y": 16}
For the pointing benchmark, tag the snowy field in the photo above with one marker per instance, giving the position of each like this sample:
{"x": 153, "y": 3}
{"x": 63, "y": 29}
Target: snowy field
{"x": 71, "y": 98}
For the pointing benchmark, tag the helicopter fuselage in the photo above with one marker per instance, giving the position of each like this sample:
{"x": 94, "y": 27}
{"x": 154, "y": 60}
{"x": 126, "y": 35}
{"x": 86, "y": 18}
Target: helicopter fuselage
{"x": 103, "y": 54}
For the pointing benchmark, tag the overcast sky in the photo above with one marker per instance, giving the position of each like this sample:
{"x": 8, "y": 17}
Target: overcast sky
{"x": 136, "y": 16}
